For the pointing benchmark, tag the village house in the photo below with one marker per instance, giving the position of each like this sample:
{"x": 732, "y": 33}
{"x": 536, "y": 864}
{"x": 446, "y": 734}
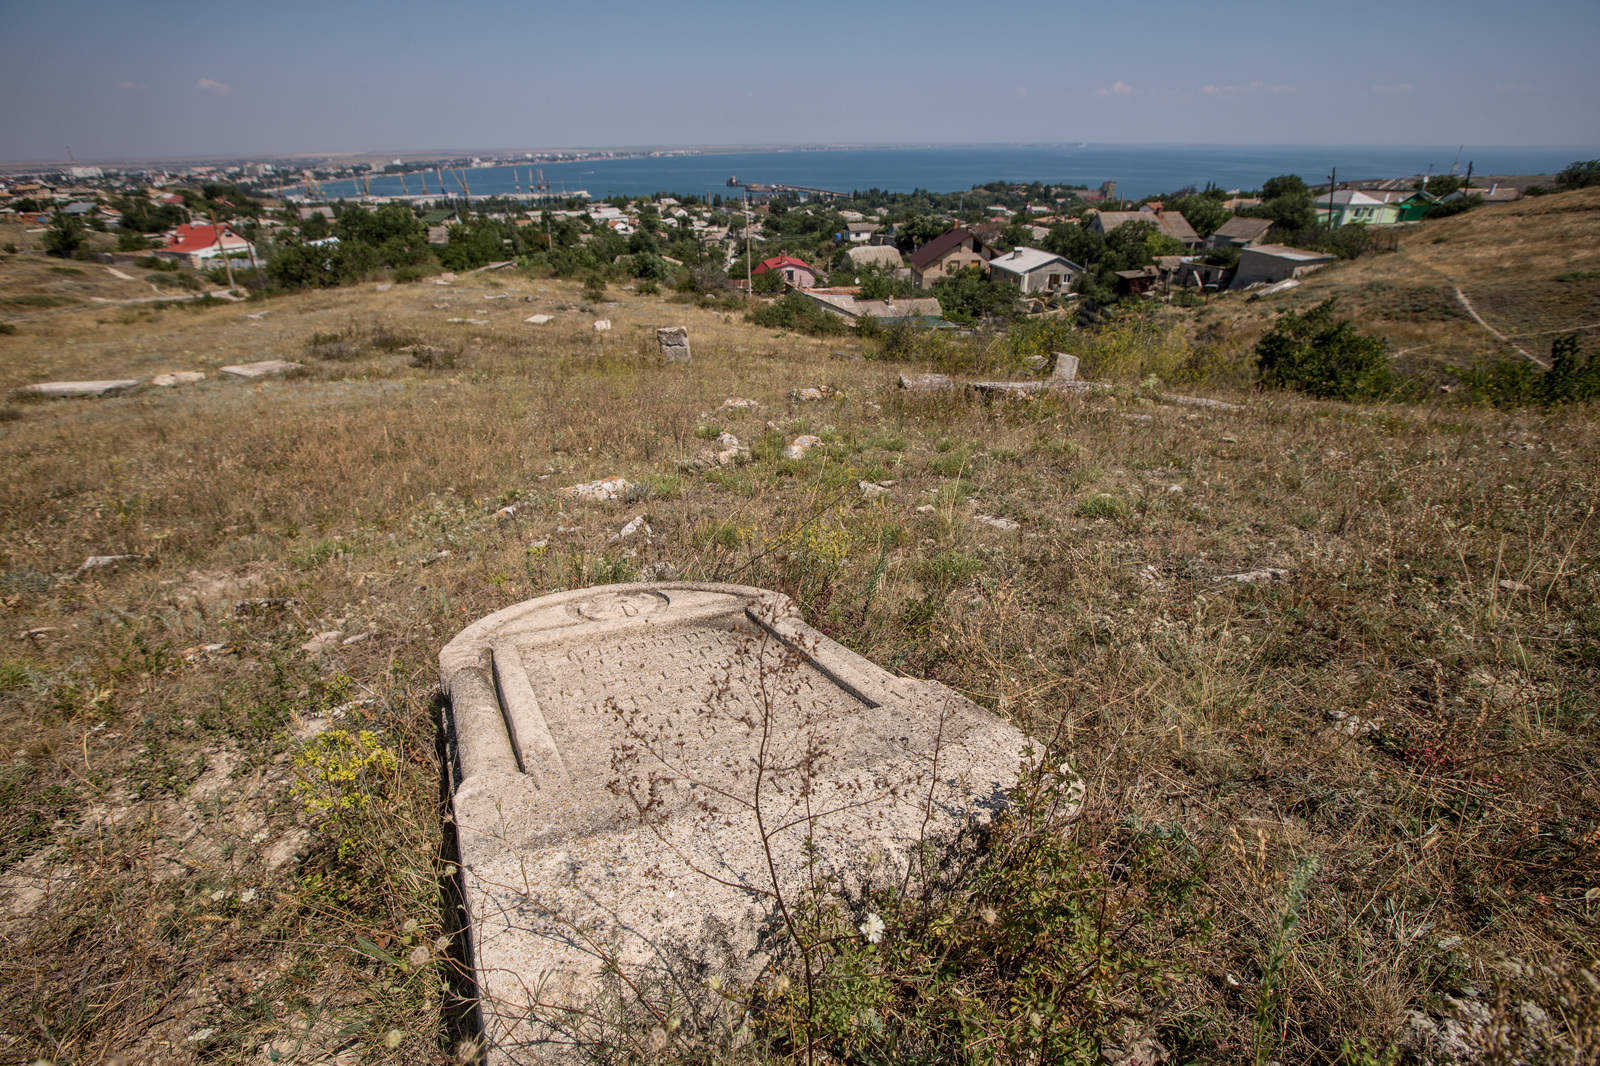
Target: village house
{"x": 859, "y": 232}
{"x": 1171, "y": 223}
{"x": 1271, "y": 263}
{"x": 1034, "y": 270}
{"x": 948, "y": 253}
{"x": 1240, "y": 233}
{"x": 795, "y": 273}
{"x": 197, "y": 243}
{"x": 1352, "y": 205}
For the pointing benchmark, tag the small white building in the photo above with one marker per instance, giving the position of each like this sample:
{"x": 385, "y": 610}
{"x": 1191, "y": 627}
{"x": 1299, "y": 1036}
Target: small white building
{"x": 860, "y": 232}
{"x": 1034, "y": 270}
{"x": 1266, "y": 264}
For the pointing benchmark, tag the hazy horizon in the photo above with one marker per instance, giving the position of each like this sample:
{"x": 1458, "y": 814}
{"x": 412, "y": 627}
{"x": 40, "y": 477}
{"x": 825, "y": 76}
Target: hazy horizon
{"x": 154, "y": 81}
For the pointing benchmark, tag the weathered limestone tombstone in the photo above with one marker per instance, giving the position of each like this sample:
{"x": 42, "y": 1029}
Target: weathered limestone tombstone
{"x": 264, "y": 368}
{"x": 674, "y": 343}
{"x": 1066, "y": 368}
{"x": 60, "y": 389}
{"x": 926, "y": 382}
{"x": 605, "y": 749}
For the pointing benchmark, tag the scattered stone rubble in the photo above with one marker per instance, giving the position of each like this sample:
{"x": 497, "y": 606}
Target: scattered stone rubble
{"x": 810, "y": 395}
{"x": 611, "y": 488}
{"x": 797, "y": 448}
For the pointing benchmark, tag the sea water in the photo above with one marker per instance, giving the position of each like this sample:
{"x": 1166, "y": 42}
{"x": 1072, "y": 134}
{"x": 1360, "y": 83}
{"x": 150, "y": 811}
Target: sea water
{"x": 1138, "y": 170}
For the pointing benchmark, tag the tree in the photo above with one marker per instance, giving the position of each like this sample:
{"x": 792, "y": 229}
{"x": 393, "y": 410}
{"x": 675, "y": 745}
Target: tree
{"x": 970, "y": 295}
{"x": 1136, "y": 244}
{"x": 1077, "y": 243}
{"x": 1284, "y": 185}
{"x": 920, "y": 229}
{"x": 1580, "y": 175}
{"x": 315, "y": 227}
{"x": 1205, "y": 214}
{"x": 65, "y": 235}
{"x": 1314, "y": 354}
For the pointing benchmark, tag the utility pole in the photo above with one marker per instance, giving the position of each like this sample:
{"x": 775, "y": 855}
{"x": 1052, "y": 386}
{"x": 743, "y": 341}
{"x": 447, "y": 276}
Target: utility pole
{"x": 1333, "y": 183}
{"x": 749, "y": 286}
{"x": 222, "y": 248}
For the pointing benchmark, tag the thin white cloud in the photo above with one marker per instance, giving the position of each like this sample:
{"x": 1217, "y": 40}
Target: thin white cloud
{"x": 1230, "y": 90}
{"x": 1408, "y": 87}
{"x": 1119, "y": 88}
{"x": 206, "y": 85}
{"x": 1284, "y": 89}
{"x": 132, "y": 85}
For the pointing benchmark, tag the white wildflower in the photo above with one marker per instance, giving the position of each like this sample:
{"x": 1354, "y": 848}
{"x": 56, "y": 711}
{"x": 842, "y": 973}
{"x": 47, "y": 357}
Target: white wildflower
{"x": 247, "y": 896}
{"x": 218, "y": 896}
{"x": 418, "y": 956}
{"x": 872, "y": 929}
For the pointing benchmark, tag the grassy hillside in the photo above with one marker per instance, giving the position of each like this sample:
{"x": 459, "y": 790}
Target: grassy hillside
{"x": 1371, "y": 773}
{"x": 1530, "y": 269}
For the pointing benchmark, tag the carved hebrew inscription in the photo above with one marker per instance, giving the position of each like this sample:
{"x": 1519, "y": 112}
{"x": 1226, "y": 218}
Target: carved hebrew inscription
{"x": 613, "y": 753}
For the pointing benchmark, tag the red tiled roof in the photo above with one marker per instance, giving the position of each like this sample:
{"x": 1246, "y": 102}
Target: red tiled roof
{"x": 777, "y": 262}
{"x": 199, "y": 236}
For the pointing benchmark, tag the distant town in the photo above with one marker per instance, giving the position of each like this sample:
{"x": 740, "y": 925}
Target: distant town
{"x": 991, "y": 252}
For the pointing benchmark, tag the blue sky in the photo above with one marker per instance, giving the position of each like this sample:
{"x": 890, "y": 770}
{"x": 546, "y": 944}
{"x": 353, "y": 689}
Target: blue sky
{"x": 159, "y": 78}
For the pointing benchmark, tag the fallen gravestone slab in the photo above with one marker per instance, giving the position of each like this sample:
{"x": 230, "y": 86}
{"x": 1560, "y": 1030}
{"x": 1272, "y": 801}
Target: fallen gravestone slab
{"x": 62, "y": 389}
{"x": 538, "y": 320}
{"x": 265, "y": 368}
{"x": 177, "y": 377}
{"x": 611, "y": 753}
{"x": 926, "y": 382}
{"x": 1201, "y": 401}
{"x": 674, "y": 343}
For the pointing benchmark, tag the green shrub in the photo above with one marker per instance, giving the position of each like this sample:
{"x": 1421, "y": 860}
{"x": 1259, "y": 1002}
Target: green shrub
{"x": 1310, "y": 352}
{"x": 798, "y": 313}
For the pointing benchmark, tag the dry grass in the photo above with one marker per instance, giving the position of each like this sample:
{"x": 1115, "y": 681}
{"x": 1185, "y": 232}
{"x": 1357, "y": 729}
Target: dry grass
{"x": 1414, "y": 705}
{"x": 1530, "y": 268}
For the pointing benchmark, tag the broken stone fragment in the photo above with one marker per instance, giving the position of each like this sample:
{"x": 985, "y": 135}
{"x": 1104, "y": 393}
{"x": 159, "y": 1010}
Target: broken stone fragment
{"x": 103, "y": 562}
{"x": 601, "y": 325}
{"x": 1266, "y": 576}
{"x": 870, "y": 489}
{"x": 636, "y": 525}
{"x": 808, "y": 395}
{"x": 539, "y": 320}
{"x": 996, "y": 522}
{"x": 738, "y": 403}
{"x": 321, "y": 642}
{"x": 797, "y": 448}
{"x": 177, "y": 377}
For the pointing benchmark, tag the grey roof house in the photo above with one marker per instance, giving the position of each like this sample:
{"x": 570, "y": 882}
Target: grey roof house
{"x": 1035, "y": 270}
{"x": 1240, "y": 233}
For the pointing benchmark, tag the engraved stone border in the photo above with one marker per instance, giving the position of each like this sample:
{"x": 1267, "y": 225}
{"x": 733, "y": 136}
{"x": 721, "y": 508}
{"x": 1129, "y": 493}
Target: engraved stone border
{"x": 569, "y": 900}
